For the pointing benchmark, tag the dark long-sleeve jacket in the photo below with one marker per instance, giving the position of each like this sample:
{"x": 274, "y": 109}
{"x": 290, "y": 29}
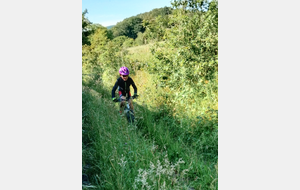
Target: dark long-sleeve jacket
{"x": 123, "y": 86}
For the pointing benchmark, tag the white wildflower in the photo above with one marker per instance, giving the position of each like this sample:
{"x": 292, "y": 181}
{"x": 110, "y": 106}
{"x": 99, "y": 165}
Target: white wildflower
{"x": 184, "y": 172}
{"x": 155, "y": 173}
{"x": 163, "y": 187}
{"x": 123, "y": 162}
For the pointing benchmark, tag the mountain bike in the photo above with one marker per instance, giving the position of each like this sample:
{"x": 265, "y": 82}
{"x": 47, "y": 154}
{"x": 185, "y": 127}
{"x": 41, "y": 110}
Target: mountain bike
{"x": 127, "y": 111}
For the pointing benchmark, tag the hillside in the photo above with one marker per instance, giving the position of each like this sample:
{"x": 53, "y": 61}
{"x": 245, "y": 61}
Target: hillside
{"x": 132, "y": 26}
{"x": 109, "y": 27}
{"x": 173, "y": 142}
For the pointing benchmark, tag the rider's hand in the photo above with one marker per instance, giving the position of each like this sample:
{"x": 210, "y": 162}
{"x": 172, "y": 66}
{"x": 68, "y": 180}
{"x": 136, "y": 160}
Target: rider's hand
{"x": 135, "y": 95}
{"x": 115, "y": 99}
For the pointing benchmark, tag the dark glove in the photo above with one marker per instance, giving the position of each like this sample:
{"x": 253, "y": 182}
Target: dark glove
{"x": 115, "y": 99}
{"x": 135, "y": 96}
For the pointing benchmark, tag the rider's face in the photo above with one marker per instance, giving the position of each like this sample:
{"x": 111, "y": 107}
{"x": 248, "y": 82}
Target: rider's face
{"x": 124, "y": 77}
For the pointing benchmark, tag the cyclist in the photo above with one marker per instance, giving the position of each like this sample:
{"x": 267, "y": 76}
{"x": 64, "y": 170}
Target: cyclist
{"x": 123, "y": 83}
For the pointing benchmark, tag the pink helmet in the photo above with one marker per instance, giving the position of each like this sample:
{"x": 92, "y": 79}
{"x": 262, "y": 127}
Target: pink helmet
{"x": 124, "y": 71}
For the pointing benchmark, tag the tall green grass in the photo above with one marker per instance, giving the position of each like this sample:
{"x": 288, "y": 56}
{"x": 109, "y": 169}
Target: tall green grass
{"x": 158, "y": 152}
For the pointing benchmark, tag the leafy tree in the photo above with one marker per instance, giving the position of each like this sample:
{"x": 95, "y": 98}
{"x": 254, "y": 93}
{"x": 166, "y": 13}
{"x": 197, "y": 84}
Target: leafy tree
{"x": 189, "y": 57}
{"x": 131, "y": 26}
{"x": 155, "y": 23}
{"x": 129, "y": 42}
{"x": 99, "y": 39}
{"x": 86, "y": 31}
{"x": 151, "y": 15}
{"x": 92, "y": 54}
{"x": 89, "y": 28}
{"x": 128, "y": 27}
{"x": 120, "y": 40}
{"x": 140, "y": 40}
{"x": 156, "y": 28}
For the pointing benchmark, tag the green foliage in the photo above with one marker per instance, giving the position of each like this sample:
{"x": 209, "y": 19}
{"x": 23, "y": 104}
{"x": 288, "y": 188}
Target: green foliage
{"x": 128, "y": 43}
{"x": 120, "y": 40}
{"x": 176, "y": 114}
{"x": 114, "y": 56}
{"x": 85, "y": 30}
{"x": 189, "y": 57}
{"x": 128, "y": 27}
{"x": 96, "y": 27}
{"x": 155, "y": 13}
{"x": 91, "y": 53}
{"x": 156, "y": 28}
{"x": 88, "y": 58}
{"x": 140, "y": 39}
{"x": 103, "y": 53}
{"x": 88, "y": 28}
{"x": 118, "y": 156}
{"x": 99, "y": 39}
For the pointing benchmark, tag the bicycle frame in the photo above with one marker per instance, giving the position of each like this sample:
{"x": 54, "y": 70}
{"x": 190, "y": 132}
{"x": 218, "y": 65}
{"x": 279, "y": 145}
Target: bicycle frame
{"x": 128, "y": 112}
{"x": 126, "y": 107}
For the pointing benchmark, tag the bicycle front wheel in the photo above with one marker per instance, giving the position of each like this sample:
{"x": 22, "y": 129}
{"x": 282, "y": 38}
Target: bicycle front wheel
{"x": 130, "y": 116}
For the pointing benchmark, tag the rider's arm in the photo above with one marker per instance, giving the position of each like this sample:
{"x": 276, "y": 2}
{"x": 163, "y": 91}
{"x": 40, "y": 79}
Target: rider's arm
{"x": 114, "y": 89}
{"x": 134, "y": 87}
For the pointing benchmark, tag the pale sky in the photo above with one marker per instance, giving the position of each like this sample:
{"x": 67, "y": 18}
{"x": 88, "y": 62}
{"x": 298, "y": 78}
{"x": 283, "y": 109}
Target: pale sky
{"x": 109, "y": 12}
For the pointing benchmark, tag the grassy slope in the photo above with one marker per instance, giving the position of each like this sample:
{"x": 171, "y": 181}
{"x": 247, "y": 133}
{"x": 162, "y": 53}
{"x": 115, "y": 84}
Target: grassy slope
{"x": 113, "y": 152}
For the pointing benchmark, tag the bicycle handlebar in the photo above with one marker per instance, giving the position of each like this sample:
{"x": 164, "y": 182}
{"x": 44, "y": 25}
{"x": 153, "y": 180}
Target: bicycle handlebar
{"x": 133, "y": 97}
